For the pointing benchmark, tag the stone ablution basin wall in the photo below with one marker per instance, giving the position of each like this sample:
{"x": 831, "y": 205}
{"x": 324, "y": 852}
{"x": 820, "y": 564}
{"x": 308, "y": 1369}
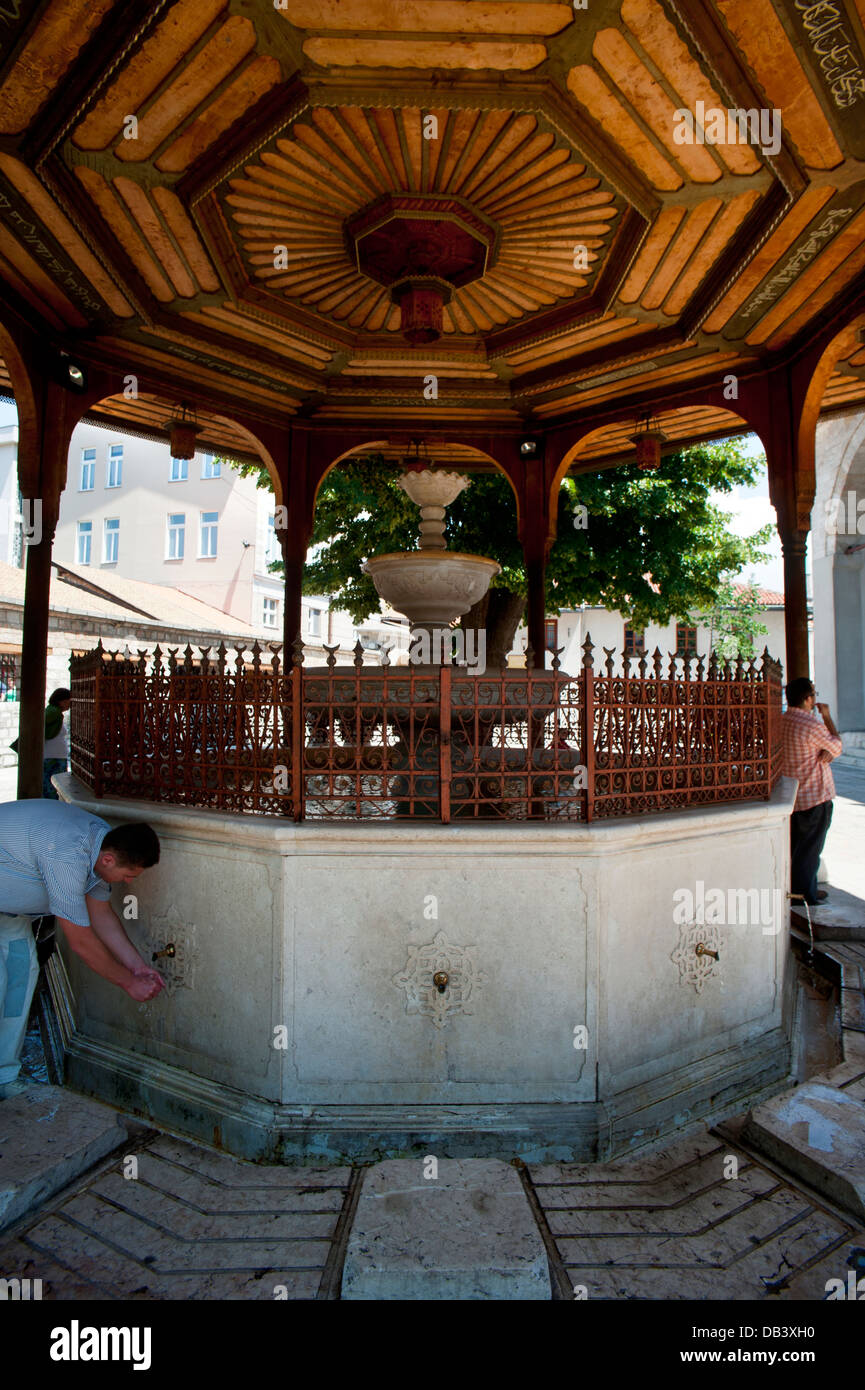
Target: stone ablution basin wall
{"x": 578, "y": 1019}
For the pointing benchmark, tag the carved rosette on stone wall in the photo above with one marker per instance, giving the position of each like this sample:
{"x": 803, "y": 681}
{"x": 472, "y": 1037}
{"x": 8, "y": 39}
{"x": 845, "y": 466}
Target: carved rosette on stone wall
{"x": 422, "y": 995}
{"x": 163, "y": 930}
{"x": 695, "y": 969}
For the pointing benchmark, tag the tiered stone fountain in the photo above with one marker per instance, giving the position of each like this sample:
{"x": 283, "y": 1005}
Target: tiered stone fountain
{"x": 431, "y": 586}
{"x": 306, "y": 1013}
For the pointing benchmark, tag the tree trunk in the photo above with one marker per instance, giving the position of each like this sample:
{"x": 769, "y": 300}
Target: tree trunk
{"x": 498, "y": 616}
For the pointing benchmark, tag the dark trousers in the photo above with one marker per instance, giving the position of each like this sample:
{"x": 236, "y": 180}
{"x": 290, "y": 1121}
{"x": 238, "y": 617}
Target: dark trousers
{"x": 50, "y": 768}
{"x": 808, "y": 831}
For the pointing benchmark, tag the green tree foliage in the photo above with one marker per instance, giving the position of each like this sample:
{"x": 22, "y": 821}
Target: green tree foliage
{"x": 649, "y": 544}
{"x": 733, "y": 620}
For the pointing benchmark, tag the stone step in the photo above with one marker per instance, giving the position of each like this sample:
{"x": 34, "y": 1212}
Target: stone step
{"x": 840, "y": 918}
{"x": 465, "y": 1232}
{"x": 49, "y": 1137}
{"x": 818, "y": 1133}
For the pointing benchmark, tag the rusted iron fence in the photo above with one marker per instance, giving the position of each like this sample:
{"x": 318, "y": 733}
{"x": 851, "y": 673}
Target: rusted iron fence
{"x": 235, "y": 732}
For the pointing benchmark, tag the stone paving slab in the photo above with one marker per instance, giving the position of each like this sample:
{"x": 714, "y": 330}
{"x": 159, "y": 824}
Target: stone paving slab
{"x": 853, "y": 1009}
{"x": 185, "y": 1222}
{"x": 193, "y": 1224}
{"x": 171, "y": 1197}
{"x": 467, "y": 1233}
{"x": 762, "y": 1237}
{"x": 720, "y": 1245}
{"x": 231, "y": 1172}
{"x": 174, "y": 1252}
{"x": 682, "y": 1184}
{"x": 681, "y": 1153}
{"x": 21, "y": 1261}
{"x": 48, "y": 1137}
{"x": 130, "y": 1274}
{"x": 817, "y": 1132}
{"x": 693, "y": 1215}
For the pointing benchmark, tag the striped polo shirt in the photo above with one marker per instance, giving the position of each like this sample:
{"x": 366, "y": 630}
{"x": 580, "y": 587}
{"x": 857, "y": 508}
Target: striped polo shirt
{"x": 47, "y": 853}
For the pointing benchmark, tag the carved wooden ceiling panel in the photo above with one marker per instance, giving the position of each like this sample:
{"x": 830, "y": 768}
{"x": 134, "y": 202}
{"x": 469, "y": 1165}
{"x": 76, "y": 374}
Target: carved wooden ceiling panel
{"x": 673, "y": 191}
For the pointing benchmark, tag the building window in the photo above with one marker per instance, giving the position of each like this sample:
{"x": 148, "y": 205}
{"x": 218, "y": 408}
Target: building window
{"x": 88, "y": 469}
{"x": 10, "y": 675}
{"x": 686, "y": 640}
{"x": 18, "y": 533}
{"x": 110, "y": 542}
{"x": 273, "y": 549}
{"x": 175, "y": 537}
{"x": 211, "y": 467}
{"x": 207, "y": 548}
{"x": 85, "y": 540}
{"x": 551, "y": 635}
{"x": 269, "y": 613}
{"x": 635, "y": 641}
{"x": 178, "y": 471}
{"x": 114, "y": 471}
{"x": 314, "y": 622}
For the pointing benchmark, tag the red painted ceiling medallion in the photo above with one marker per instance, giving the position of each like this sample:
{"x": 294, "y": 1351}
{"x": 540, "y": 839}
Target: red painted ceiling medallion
{"x": 421, "y": 246}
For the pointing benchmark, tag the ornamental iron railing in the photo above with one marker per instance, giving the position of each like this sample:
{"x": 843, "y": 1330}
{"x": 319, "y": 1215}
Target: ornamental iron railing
{"x": 235, "y": 732}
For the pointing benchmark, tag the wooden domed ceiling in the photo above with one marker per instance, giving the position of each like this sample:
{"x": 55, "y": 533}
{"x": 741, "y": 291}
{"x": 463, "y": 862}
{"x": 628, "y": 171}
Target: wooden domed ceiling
{"x": 184, "y": 177}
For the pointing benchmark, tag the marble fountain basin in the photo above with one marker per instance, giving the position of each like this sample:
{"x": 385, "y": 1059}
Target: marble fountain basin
{"x": 431, "y": 588}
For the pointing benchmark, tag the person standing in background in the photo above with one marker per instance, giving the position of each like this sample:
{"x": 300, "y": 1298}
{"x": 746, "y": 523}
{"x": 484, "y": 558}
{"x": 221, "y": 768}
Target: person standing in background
{"x": 810, "y": 743}
{"x": 55, "y": 754}
{"x": 55, "y": 749}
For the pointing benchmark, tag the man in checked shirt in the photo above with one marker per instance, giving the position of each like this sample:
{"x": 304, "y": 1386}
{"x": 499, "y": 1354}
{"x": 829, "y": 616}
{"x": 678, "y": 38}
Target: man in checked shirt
{"x": 811, "y": 741}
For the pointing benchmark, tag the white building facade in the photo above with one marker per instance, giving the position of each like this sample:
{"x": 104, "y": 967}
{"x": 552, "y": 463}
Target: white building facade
{"x": 195, "y": 525}
{"x": 567, "y": 633}
{"x": 838, "y": 567}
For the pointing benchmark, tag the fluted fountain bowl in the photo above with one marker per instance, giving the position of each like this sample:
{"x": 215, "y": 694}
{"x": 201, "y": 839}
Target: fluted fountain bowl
{"x": 431, "y": 587}
{"x": 433, "y": 488}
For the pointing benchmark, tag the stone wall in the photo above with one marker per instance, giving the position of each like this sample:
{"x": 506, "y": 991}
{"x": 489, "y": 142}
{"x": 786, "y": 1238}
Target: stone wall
{"x": 578, "y": 1018}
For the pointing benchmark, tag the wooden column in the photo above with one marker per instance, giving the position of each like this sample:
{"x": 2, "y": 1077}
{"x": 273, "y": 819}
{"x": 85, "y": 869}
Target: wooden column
{"x": 536, "y": 617}
{"x": 298, "y": 491}
{"x": 294, "y": 540}
{"x": 793, "y": 547}
{"x": 789, "y": 434}
{"x": 42, "y": 476}
{"x": 34, "y": 654}
{"x": 536, "y": 534}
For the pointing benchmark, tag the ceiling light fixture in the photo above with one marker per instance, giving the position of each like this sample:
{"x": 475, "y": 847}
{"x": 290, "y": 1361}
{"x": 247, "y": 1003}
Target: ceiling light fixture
{"x": 72, "y": 374}
{"x": 648, "y": 441}
{"x": 182, "y": 432}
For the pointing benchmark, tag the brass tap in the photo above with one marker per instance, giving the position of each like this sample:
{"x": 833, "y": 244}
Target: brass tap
{"x": 702, "y": 950}
{"x": 167, "y": 951}
{"x": 440, "y": 980}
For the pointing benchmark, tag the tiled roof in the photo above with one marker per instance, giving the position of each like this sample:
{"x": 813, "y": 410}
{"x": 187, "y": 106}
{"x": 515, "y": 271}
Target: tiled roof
{"x": 126, "y": 600}
{"x": 769, "y": 598}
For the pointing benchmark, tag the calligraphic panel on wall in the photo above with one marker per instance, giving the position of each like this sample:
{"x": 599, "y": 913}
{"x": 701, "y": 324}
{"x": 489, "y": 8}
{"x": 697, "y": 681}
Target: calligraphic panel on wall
{"x": 829, "y": 36}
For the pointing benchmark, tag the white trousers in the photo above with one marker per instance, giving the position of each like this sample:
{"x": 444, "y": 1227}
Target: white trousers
{"x": 19, "y": 971}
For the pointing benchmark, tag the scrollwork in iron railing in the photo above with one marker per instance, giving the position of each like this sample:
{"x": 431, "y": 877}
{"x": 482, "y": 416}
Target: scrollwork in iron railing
{"x": 230, "y": 729}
